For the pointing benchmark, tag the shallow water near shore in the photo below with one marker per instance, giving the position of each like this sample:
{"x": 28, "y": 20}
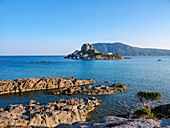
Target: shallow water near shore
{"x": 138, "y": 73}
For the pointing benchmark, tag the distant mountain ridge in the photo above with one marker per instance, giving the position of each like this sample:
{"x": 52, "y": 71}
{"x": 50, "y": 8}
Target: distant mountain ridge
{"x": 127, "y": 50}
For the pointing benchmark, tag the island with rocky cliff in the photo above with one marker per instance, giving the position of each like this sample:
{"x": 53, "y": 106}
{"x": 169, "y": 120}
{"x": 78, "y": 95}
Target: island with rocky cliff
{"x": 87, "y": 52}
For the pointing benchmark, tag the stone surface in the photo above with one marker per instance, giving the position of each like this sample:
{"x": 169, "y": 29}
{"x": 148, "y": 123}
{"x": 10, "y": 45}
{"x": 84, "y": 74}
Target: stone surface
{"x": 48, "y": 115}
{"x": 1, "y": 59}
{"x": 119, "y": 122}
{"x": 97, "y": 90}
{"x": 162, "y": 111}
{"x": 30, "y": 84}
{"x": 86, "y": 47}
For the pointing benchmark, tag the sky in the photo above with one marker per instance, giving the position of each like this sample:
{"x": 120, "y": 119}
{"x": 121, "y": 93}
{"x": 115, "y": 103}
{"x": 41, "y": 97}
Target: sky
{"x": 58, "y": 27}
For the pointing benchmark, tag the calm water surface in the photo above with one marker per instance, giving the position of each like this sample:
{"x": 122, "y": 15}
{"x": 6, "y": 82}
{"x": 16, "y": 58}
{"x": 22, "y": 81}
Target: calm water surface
{"x": 138, "y": 73}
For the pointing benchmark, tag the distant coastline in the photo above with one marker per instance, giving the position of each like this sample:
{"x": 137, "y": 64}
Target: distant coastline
{"x": 127, "y": 50}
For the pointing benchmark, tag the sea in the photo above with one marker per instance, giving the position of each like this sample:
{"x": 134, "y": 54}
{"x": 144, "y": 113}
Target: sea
{"x": 141, "y": 73}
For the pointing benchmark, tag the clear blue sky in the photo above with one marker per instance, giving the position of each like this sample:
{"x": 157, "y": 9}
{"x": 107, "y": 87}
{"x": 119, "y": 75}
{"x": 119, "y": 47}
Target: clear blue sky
{"x": 61, "y": 26}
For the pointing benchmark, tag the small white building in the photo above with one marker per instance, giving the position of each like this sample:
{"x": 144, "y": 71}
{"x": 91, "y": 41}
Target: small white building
{"x": 85, "y": 55}
{"x": 110, "y": 53}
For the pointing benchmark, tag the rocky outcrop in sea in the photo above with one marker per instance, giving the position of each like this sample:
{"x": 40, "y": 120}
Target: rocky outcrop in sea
{"x": 97, "y": 90}
{"x": 31, "y": 84}
{"x": 48, "y": 115}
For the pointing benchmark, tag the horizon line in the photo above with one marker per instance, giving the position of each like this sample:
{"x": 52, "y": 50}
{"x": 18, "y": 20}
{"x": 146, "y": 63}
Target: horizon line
{"x": 30, "y": 55}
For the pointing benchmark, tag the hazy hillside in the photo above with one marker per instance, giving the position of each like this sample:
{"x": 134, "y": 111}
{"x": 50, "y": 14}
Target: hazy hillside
{"x": 127, "y": 50}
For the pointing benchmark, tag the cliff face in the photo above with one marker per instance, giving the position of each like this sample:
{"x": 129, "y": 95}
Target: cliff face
{"x": 86, "y": 47}
{"x": 127, "y": 50}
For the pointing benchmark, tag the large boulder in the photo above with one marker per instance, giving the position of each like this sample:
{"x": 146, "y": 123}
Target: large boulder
{"x": 86, "y": 47}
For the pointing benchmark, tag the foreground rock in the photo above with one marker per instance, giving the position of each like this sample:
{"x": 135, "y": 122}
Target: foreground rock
{"x": 119, "y": 122}
{"x": 162, "y": 111}
{"x": 49, "y": 115}
{"x": 98, "y": 90}
{"x": 30, "y": 84}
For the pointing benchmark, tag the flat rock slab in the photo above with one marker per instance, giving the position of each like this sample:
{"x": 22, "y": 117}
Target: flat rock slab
{"x": 98, "y": 90}
{"x": 31, "y": 84}
{"x": 119, "y": 122}
{"x": 48, "y": 115}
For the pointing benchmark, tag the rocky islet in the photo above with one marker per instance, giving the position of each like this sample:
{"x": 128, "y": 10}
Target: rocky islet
{"x": 97, "y": 90}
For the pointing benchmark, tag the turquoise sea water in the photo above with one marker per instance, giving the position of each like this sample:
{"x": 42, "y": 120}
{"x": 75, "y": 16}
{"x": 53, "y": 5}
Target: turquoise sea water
{"x": 138, "y": 73}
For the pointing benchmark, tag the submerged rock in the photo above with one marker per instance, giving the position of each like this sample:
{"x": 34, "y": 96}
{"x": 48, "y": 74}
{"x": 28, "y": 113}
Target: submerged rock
{"x": 40, "y": 61}
{"x": 107, "y": 81}
{"x": 97, "y": 90}
{"x": 48, "y": 115}
{"x": 30, "y": 84}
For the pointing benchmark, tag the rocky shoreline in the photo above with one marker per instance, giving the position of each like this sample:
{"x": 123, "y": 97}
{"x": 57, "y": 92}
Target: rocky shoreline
{"x": 31, "y": 84}
{"x": 119, "y": 122}
{"x": 97, "y": 90}
{"x": 68, "y": 113}
{"x": 49, "y": 115}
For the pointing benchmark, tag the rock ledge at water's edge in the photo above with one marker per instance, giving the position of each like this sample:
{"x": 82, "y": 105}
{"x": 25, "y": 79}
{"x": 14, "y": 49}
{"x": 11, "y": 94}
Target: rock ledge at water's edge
{"x": 48, "y": 115}
{"x": 97, "y": 90}
{"x": 31, "y": 84}
{"x": 119, "y": 122}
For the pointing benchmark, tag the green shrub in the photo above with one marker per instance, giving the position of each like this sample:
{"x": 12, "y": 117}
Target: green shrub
{"x": 143, "y": 112}
{"x": 145, "y": 98}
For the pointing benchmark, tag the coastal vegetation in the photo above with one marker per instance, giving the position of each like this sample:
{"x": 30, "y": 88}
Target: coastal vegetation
{"x": 145, "y": 98}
